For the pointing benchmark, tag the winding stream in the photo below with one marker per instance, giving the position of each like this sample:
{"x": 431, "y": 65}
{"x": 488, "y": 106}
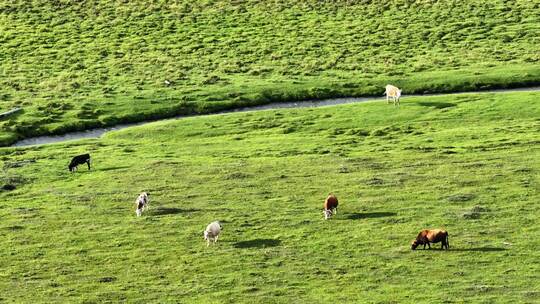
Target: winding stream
{"x": 98, "y": 132}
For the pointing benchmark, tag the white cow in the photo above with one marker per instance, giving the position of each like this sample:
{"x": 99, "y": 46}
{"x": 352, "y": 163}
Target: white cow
{"x": 212, "y": 232}
{"x": 394, "y": 92}
{"x": 142, "y": 203}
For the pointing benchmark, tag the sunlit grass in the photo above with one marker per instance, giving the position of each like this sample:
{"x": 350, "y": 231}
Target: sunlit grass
{"x": 72, "y": 66}
{"x": 466, "y": 163}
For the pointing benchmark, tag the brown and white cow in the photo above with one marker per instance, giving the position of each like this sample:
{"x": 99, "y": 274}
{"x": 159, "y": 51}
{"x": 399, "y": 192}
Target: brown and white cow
{"x": 393, "y": 92}
{"x": 330, "y": 206}
{"x": 425, "y": 237}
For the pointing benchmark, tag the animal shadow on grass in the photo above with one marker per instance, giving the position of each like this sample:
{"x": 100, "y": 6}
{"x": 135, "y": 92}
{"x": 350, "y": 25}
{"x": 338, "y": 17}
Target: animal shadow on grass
{"x": 480, "y": 249}
{"x": 437, "y": 105}
{"x": 168, "y": 211}
{"x": 257, "y": 243}
{"x": 114, "y": 168}
{"x": 359, "y": 216}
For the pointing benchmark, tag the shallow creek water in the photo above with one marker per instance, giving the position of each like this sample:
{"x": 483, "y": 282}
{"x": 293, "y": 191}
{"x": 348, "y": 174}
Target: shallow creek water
{"x": 98, "y": 132}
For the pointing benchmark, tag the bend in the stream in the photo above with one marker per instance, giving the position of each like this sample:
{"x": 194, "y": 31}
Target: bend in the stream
{"x": 98, "y": 132}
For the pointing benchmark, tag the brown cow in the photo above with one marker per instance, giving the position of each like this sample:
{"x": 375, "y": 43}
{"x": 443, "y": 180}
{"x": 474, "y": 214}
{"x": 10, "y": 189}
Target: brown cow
{"x": 330, "y": 206}
{"x": 431, "y": 236}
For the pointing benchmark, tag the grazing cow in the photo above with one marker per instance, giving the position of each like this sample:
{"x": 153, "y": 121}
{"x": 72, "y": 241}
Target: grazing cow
{"x": 212, "y": 232}
{"x": 394, "y": 92}
{"x": 330, "y": 206}
{"x": 142, "y": 203}
{"x": 431, "y": 236}
{"x": 78, "y": 160}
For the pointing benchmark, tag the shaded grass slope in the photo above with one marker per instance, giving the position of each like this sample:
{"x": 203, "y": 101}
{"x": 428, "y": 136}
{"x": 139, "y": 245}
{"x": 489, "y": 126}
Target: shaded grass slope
{"x": 77, "y": 65}
{"x": 470, "y": 166}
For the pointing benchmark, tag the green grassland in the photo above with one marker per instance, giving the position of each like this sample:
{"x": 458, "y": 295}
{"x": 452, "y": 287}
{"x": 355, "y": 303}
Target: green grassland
{"x": 72, "y": 65}
{"x": 466, "y": 163}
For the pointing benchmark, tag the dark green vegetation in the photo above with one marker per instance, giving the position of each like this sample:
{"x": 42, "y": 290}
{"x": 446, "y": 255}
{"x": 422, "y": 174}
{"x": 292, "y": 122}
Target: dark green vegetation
{"x": 467, "y": 163}
{"x": 78, "y": 64}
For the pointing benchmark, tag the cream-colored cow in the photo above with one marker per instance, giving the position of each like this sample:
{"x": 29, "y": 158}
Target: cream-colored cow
{"x": 212, "y": 232}
{"x": 394, "y": 92}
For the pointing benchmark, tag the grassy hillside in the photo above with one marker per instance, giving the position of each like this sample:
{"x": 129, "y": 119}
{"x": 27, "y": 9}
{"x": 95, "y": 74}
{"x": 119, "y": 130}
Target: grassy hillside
{"x": 466, "y": 163}
{"x": 74, "y": 65}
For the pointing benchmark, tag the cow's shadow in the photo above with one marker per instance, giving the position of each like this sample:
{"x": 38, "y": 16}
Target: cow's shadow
{"x": 113, "y": 168}
{"x": 160, "y": 211}
{"x": 365, "y": 215}
{"x": 480, "y": 249}
{"x": 437, "y": 105}
{"x": 257, "y": 243}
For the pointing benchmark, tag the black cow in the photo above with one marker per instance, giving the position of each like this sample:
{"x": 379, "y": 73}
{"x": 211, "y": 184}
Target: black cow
{"x": 78, "y": 160}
